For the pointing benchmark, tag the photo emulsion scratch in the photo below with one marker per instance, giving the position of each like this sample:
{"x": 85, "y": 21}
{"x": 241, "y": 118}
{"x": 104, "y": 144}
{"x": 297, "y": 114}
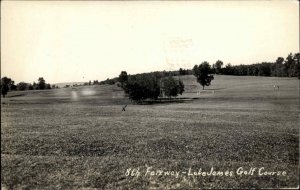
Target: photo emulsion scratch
{"x": 150, "y": 95}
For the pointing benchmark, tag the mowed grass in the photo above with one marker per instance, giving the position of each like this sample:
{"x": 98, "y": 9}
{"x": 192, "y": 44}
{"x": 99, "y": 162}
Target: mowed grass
{"x": 80, "y": 139}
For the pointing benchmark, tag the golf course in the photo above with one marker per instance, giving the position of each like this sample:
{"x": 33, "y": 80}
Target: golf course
{"x": 79, "y": 137}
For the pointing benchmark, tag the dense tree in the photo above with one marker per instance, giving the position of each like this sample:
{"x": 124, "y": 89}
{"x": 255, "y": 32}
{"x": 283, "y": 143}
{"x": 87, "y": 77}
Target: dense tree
{"x": 183, "y": 71}
{"x": 202, "y": 72}
{"x": 123, "y": 78}
{"x": 35, "y": 86}
{"x": 30, "y": 87}
{"x": 48, "y": 86}
{"x": 228, "y": 70}
{"x": 23, "y": 86}
{"x": 291, "y": 65}
{"x": 12, "y": 86}
{"x": 288, "y": 65}
{"x": 277, "y": 67}
{"x": 41, "y": 83}
{"x": 265, "y": 69}
{"x": 172, "y": 87}
{"x": 5, "y": 85}
{"x": 180, "y": 87}
{"x": 110, "y": 81}
{"x": 218, "y": 67}
{"x": 142, "y": 86}
{"x": 95, "y": 82}
{"x": 296, "y": 66}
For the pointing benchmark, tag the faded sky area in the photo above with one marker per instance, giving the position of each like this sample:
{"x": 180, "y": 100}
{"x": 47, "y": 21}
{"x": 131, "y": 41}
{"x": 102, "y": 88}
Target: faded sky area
{"x": 80, "y": 41}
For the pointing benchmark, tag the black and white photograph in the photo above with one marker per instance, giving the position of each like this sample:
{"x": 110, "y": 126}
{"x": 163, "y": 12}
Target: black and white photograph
{"x": 150, "y": 94}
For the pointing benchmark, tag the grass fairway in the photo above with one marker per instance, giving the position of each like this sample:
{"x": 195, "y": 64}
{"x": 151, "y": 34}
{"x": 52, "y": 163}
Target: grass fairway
{"x": 80, "y": 139}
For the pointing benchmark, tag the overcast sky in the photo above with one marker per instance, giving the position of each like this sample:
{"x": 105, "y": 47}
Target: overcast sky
{"x": 80, "y": 41}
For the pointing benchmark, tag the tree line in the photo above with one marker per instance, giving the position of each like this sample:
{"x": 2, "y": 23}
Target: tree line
{"x": 288, "y": 67}
{"x": 7, "y": 84}
{"x": 158, "y": 74}
{"x": 282, "y": 67}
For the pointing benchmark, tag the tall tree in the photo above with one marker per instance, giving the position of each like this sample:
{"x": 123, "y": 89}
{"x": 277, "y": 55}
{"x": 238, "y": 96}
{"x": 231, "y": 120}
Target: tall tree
{"x": 277, "y": 68}
{"x": 12, "y": 86}
{"x": 182, "y": 71}
{"x": 5, "y": 85}
{"x": 34, "y": 86}
{"x": 123, "y": 78}
{"x": 218, "y": 67}
{"x": 297, "y": 64}
{"x": 41, "y": 83}
{"x": 180, "y": 87}
{"x": 202, "y": 72}
{"x": 288, "y": 65}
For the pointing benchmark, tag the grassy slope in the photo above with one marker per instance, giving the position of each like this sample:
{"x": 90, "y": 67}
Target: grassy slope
{"x": 67, "y": 138}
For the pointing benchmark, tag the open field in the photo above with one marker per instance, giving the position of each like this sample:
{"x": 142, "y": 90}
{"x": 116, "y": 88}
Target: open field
{"x": 80, "y": 139}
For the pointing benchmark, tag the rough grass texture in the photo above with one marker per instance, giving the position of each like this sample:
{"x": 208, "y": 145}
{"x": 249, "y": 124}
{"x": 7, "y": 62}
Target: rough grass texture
{"x": 80, "y": 139}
